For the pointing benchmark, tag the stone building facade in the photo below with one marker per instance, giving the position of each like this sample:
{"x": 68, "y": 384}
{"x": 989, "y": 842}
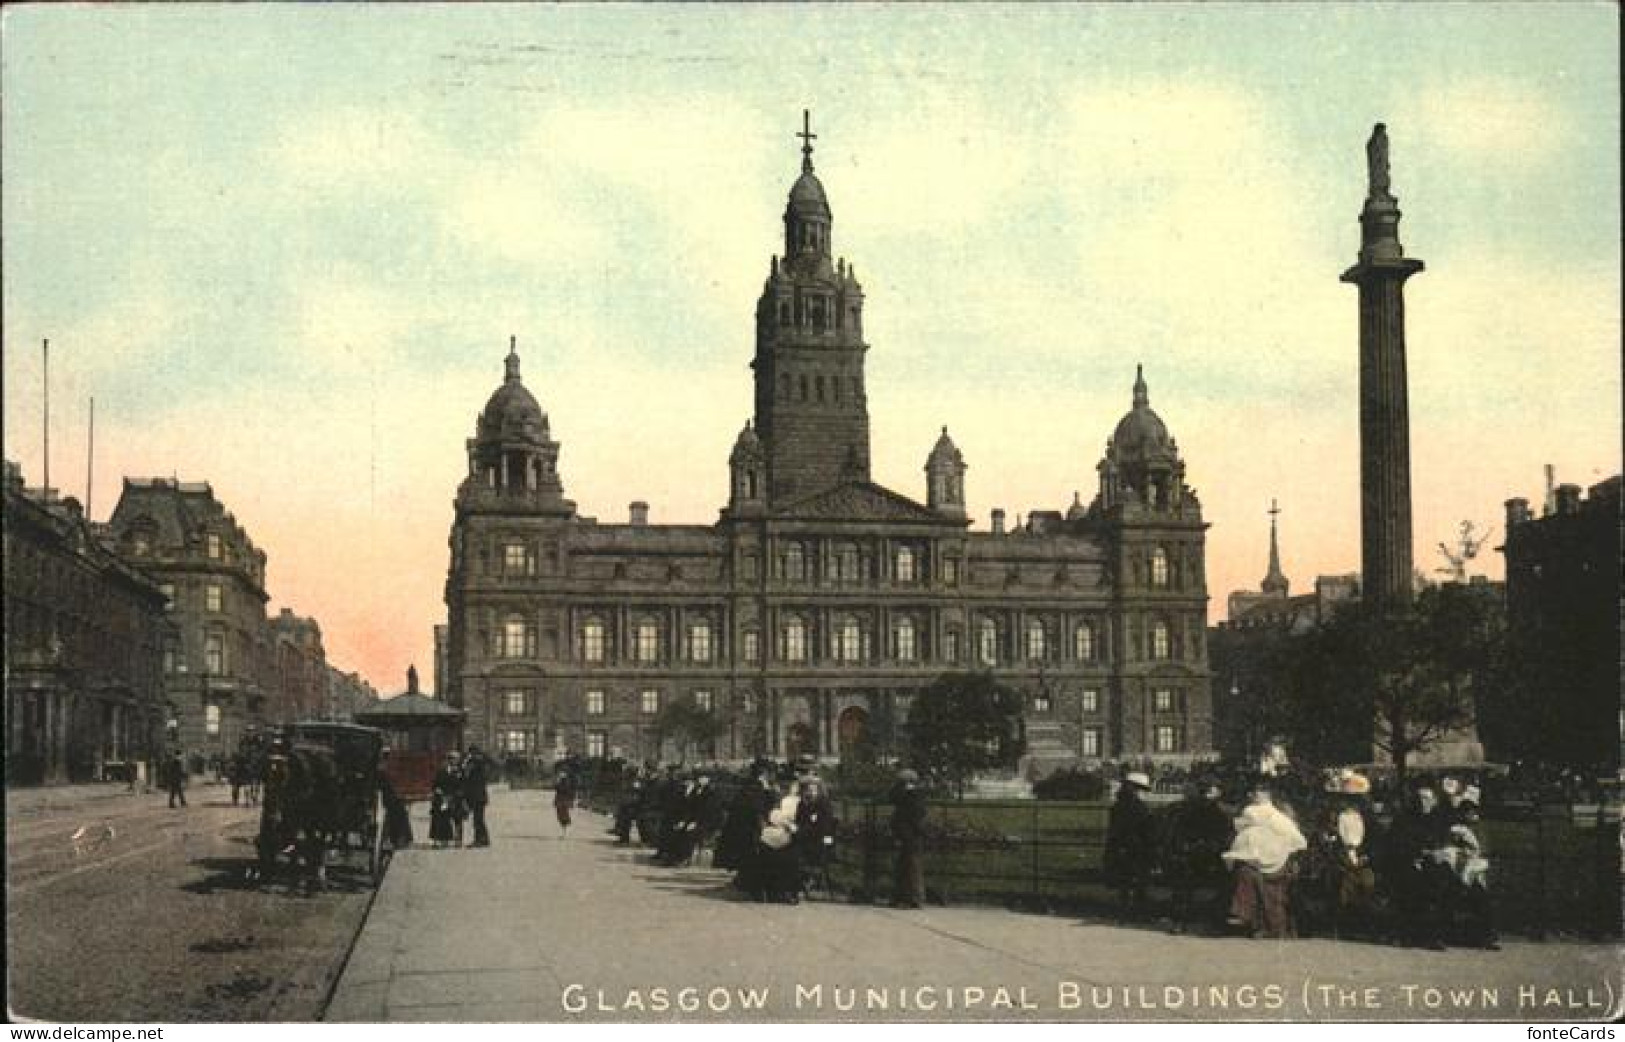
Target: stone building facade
{"x": 820, "y": 603}
{"x": 84, "y": 643}
{"x": 220, "y": 666}
{"x": 1563, "y": 628}
{"x": 301, "y": 663}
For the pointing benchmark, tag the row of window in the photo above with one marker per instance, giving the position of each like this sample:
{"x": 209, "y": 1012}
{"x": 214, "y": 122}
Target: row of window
{"x": 213, "y": 597}
{"x": 520, "y": 702}
{"x": 850, "y": 641}
{"x": 1165, "y": 738}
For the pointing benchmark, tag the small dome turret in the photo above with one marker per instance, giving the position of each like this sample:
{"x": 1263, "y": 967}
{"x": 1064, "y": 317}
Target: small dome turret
{"x": 945, "y": 477}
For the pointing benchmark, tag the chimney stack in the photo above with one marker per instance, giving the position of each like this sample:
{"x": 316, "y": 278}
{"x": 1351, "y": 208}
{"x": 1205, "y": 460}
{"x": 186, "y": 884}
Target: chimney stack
{"x": 998, "y": 520}
{"x": 639, "y": 514}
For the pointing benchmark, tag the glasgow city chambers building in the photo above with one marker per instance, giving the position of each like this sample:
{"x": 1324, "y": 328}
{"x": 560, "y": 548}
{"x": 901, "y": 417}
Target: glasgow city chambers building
{"x": 820, "y": 603}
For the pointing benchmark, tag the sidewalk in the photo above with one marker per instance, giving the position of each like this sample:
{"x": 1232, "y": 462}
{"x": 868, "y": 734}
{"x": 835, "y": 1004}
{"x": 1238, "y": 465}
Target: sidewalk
{"x": 538, "y": 929}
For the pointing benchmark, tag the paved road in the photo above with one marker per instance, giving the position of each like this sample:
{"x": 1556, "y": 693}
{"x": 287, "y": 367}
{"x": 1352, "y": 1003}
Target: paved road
{"x": 120, "y": 909}
{"x": 539, "y": 929}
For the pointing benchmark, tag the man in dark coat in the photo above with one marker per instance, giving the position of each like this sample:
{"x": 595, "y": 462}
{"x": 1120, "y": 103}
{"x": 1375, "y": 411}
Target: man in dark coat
{"x": 908, "y": 830}
{"x": 1131, "y": 843}
{"x": 1415, "y": 871}
{"x": 175, "y": 778}
{"x": 1199, "y": 833}
{"x": 476, "y": 777}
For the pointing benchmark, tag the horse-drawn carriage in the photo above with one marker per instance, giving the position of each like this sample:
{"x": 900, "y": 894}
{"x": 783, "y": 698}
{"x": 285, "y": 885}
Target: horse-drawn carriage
{"x": 325, "y": 802}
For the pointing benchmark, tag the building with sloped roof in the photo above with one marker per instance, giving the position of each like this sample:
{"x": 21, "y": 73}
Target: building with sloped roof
{"x": 806, "y": 619}
{"x": 222, "y": 663}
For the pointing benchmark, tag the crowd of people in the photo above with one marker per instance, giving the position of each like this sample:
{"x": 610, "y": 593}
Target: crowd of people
{"x": 771, "y": 825}
{"x": 1322, "y": 864}
{"x": 1291, "y": 859}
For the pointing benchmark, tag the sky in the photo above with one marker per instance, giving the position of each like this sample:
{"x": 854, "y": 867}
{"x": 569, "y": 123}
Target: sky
{"x": 284, "y": 247}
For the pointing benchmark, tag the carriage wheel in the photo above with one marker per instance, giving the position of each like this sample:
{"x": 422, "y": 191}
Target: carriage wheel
{"x": 376, "y": 862}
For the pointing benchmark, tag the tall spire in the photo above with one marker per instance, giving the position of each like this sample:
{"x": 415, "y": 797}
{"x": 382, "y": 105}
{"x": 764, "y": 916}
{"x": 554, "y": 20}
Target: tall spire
{"x": 1274, "y": 582}
{"x": 807, "y": 137}
{"x": 1142, "y": 397}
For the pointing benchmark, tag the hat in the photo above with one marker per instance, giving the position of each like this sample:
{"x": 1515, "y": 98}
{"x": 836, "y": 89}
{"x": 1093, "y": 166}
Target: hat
{"x": 1353, "y": 784}
{"x": 1138, "y": 778}
{"x": 907, "y": 776}
{"x": 1471, "y": 795}
{"x": 1450, "y": 786}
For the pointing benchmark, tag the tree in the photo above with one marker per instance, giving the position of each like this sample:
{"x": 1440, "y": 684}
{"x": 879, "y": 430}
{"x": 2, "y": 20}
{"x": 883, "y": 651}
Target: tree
{"x": 1406, "y": 677}
{"x": 689, "y": 726}
{"x": 963, "y": 723}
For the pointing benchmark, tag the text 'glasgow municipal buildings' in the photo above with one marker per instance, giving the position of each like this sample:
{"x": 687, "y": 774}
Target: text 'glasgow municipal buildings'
{"x": 820, "y": 602}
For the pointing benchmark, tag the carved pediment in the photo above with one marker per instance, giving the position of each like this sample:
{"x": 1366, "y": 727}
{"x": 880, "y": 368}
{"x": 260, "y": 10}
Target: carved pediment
{"x": 859, "y": 501}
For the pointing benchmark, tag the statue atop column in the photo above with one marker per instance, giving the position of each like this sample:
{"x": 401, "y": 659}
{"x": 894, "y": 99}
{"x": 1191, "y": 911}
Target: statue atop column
{"x": 1376, "y": 156}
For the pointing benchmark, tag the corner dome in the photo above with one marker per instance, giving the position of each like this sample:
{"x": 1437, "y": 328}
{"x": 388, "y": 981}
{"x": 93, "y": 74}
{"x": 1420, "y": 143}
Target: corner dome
{"x": 945, "y": 451}
{"x": 807, "y": 195}
{"x": 1141, "y": 434}
{"x": 747, "y": 447}
{"x": 511, "y": 411}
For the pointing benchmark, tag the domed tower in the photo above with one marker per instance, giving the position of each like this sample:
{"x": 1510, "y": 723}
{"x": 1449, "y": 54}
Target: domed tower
{"x": 747, "y": 467}
{"x": 1155, "y": 537}
{"x": 511, "y": 458}
{"x": 945, "y": 478}
{"x": 811, "y": 405}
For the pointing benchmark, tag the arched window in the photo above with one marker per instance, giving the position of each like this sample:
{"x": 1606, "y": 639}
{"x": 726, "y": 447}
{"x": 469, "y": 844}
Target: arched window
{"x": 646, "y": 641}
{"x": 795, "y": 562}
{"x": 904, "y": 636}
{"x": 987, "y": 642}
{"x": 1159, "y": 567}
{"x": 699, "y": 641}
{"x": 592, "y": 640}
{"x": 848, "y": 640}
{"x": 1083, "y": 642}
{"x": 906, "y": 572}
{"x": 1159, "y": 640}
{"x": 795, "y": 639}
{"x": 517, "y": 638}
{"x": 1036, "y": 649}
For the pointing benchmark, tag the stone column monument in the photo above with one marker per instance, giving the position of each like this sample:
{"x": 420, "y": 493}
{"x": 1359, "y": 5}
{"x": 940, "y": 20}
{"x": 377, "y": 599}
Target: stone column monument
{"x": 1385, "y": 449}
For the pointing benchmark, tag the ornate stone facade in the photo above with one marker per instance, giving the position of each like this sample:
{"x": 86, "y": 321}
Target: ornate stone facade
{"x": 820, "y": 603}
{"x": 221, "y": 666}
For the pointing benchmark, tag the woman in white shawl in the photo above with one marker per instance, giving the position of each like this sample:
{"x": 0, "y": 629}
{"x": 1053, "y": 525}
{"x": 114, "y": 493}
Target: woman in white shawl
{"x": 1261, "y": 855}
{"x": 781, "y": 866}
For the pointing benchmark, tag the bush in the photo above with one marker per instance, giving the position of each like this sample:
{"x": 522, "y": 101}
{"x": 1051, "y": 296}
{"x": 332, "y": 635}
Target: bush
{"x": 1072, "y": 783}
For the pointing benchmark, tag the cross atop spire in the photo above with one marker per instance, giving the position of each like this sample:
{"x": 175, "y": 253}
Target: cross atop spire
{"x": 807, "y": 137}
{"x": 1274, "y": 582}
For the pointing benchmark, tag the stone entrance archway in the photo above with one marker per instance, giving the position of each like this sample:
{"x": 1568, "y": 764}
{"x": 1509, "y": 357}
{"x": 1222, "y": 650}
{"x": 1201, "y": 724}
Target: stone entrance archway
{"x": 800, "y": 738}
{"x": 852, "y": 733}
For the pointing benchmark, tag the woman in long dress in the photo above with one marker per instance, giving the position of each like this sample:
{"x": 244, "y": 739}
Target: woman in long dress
{"x": 564, "y": 798}
{"x": 1261, "y": 854}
